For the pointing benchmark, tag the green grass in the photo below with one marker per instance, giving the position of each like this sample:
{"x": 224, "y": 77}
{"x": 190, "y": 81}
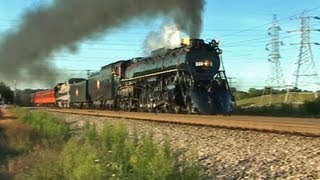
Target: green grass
{"x": 305, "y": 109}
{"x": 5, "y": 150}
{"x": 112, "y": 153}
{"x": 293, "y": 97}
{"x": 38, "y": 165}
{"x": 27, "y": 143}
{"x": 51, "y": 131}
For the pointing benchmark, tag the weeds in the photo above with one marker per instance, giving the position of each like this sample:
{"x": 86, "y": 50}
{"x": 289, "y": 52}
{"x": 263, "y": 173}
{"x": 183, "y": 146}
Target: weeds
{"x": 81, "y": 162}
{"x": 15, "y": 138}
{"x": 41, "y": 164}
{"x": 50, "y": 130}
{"x": 312, "y": 107}
{"x": 110, "y": 154}
{"x": 113, "y": 154}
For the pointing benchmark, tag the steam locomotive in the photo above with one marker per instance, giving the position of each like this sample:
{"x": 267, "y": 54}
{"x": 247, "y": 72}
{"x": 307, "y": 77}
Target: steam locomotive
{"x": 186, "y": 79}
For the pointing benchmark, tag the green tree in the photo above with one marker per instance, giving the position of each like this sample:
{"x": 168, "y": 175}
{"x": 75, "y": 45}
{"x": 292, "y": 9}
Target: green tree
{"x": 241, "y": 95}
{"x": 23, "y": 97}
{"x": 253, "y": 92}
{"x": 6, "y": 93}
{"x": 312, "y": 108}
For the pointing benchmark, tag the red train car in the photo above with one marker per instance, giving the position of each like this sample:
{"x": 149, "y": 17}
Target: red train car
{"x": 44, "y": 98}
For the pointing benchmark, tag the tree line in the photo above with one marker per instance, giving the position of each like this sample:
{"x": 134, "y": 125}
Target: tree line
{"x": 20, "y": 97}
{"x": 6, "y": 94}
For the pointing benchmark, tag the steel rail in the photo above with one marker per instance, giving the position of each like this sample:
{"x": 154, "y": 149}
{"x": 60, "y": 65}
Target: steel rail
{"x": 294, "y": 126}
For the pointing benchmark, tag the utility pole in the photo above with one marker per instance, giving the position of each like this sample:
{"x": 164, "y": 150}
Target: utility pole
{"x": 305, "y": 73}
{"x": 14, "y": 92}
{"x": 88, "y": 73}
{"x": 275, "y": 79}
{"x": 231, "y": 82}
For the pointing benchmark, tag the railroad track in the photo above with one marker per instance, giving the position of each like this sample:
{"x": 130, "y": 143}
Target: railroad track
{"x": 296, "y": 126}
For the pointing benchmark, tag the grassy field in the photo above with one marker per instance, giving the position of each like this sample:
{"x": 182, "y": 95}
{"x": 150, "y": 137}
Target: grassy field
{"x": 294, "y": 105}
{"x": 292, "y": 98}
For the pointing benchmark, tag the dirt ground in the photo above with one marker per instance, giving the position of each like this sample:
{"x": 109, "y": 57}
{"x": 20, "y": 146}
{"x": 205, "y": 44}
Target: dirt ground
{"x": 6, "y": 117}
{"x": 12, "y": 133}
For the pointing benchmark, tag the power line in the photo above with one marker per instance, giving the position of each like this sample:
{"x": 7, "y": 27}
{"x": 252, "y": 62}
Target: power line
{"x": 252, "y": 41}
{"x": 266, "y": 24}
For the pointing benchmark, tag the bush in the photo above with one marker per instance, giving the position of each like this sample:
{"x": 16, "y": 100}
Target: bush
{"x": 15, "y": 138}
{"x": 312, "y": 108}
{"x": 43, "y": 164}
{"x": 18, "y": 141}
{"x": 19, "y": 136}
{"x": 81, "y": 162}
{"x": 117, "y": 148}
{"x": 51, "y": 131}
{"x": 114, "y": 154}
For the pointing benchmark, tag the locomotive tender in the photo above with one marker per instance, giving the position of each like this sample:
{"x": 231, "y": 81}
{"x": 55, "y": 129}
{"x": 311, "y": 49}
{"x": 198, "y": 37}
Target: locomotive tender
{"x": 185, "y": 79}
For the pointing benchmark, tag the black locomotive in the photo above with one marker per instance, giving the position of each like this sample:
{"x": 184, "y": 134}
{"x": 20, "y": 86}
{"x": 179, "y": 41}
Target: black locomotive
{"x": 186, "y": 79}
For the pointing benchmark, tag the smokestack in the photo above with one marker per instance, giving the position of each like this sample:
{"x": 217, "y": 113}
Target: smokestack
{"x": 25, "y": 53}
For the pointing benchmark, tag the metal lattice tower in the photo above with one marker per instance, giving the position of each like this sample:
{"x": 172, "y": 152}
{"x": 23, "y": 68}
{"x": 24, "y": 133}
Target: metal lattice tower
{"x": 275, "y": 78}
{"x": 305, "y": 73}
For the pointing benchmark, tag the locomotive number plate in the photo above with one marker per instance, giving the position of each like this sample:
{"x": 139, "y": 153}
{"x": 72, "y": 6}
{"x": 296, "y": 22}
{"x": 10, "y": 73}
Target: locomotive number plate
{"x": 205, "y": 63}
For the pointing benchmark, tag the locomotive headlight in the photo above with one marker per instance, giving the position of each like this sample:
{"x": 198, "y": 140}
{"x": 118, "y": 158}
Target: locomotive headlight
{"x": 207, "y": 63}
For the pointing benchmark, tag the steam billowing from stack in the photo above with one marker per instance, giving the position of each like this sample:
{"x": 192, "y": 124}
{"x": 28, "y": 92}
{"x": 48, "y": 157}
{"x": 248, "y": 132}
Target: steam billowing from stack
{"x": 169, "y": 37}
{"x": 25, "y": 53}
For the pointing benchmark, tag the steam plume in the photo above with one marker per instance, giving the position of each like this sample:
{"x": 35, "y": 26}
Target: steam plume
{"x": 24, "y": 53}
{"x": 169, "y": 36}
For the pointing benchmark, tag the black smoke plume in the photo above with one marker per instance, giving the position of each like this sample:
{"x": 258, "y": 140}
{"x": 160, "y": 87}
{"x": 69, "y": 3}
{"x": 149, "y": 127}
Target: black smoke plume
{"x": 25, "y": 53}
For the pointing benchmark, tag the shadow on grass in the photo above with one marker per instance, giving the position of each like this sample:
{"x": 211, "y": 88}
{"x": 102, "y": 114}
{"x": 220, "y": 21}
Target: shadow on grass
{"x": 6, "y": 176}
{"x": 6, "y": 153}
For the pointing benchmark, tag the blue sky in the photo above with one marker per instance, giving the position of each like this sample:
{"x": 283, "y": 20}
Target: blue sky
{"x": 241, "y": 27}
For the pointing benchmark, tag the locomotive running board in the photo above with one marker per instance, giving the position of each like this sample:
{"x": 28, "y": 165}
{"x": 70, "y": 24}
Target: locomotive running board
{"x": 153, "y": 74}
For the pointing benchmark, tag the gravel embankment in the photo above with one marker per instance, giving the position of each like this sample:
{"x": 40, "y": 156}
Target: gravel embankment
{"x": 233, "y": 154}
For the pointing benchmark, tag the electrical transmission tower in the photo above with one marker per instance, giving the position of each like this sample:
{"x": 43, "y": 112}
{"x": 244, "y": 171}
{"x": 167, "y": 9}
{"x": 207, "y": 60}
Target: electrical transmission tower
{"x": 305, "y": 73}
{"x": 275, "y": 79}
